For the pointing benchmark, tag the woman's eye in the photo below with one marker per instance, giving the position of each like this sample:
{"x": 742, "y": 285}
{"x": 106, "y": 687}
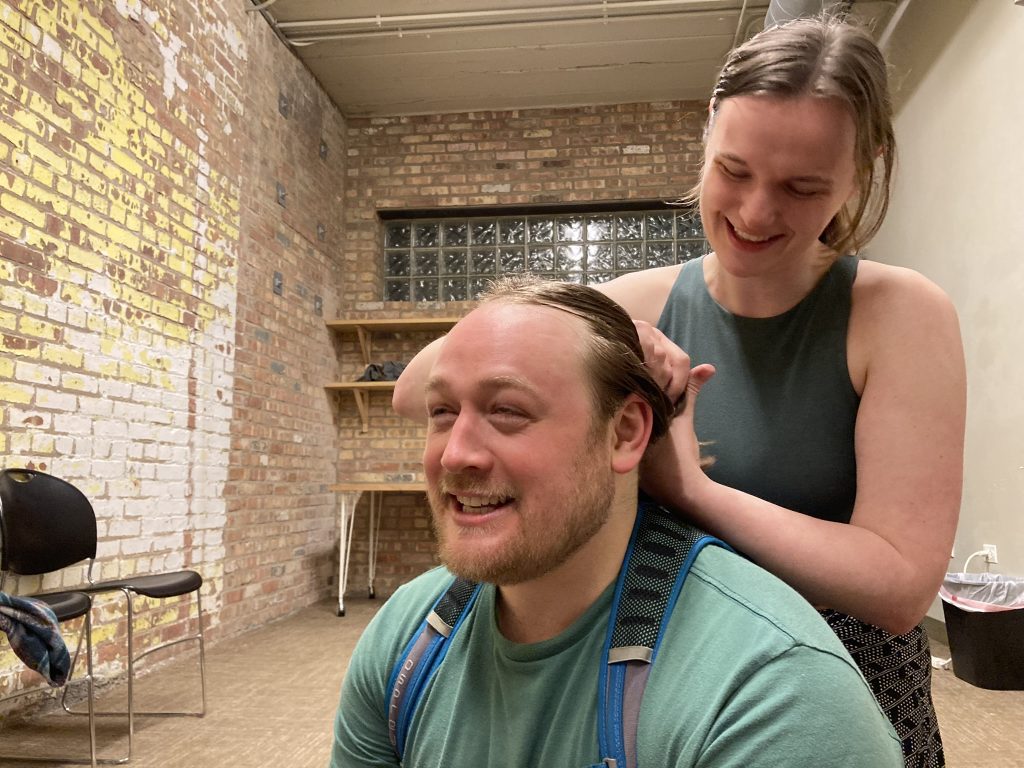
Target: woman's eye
{"x": 731, "y": 173}
{"x": 798, "y": 192}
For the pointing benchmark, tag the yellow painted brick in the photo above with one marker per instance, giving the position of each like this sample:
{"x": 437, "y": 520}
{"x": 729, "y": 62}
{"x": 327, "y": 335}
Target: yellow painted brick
{"x": 126, "y": 161}
{"x": 9, "y": 38}
{"x": 64, "y": 187}
{"x": 175, "y": 331}
{"x": 107, "y": 369}
{"x": 11, "y": 227}
{"x": 41, "y": 151}
{"x": 167, "y": 310}
{"x": 8, "y": 320}
{"x": 47, "y": 243}
{"x": 43, "y": 175}
{"x": 10, "y": 17}
{"x": 85, "y": 258}
{"x": 58, "y": 355}
{"x": 106, "y": 168}
{"x": 16, "y": 185}
{"x": 42, "y": 107}
{"x": 46, "y": 198}
{"x": 91, "y": 78}
{"x": 123, "y": 236}
{"x": 136, "y": 299}
{"x": 32, "y": 326}
{"x": 29, "y": 122}
{"x": 82, "y": 196}
{"x": 15, "y": 394}
{"x": 133, "y": 374}
{"x": 22, "y": 162}
{"x": 86, "y": 218}
{"x": 75, "y": 105}
{"x": 6, "y": 368}
{"x": 72, "y": 65}
{"x": 75, "y": 382}
{"x": 22, "y": 209}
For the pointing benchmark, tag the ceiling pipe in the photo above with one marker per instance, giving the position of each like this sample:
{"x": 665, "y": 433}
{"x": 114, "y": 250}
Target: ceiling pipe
{"x": 303, "y": 40}
{"x": 457, "y": 20}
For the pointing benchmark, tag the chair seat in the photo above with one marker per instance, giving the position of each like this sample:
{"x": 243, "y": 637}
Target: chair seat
{"x": 67, "y": 605}
{"x": 153, "y": 585}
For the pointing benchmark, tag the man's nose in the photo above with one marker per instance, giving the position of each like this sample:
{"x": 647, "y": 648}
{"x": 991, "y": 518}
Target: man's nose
{"x": 465, "y": 448}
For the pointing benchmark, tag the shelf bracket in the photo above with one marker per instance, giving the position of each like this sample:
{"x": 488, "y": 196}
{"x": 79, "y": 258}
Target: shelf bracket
{"x": 365, "y": 344}
{"x": 362, "y": 403}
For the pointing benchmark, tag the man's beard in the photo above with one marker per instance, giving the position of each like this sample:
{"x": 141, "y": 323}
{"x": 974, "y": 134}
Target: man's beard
{"x": 545, "y": 537}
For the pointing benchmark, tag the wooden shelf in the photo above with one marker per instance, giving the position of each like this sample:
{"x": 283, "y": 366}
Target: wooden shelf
{"x": 361, "y": 392}
{"x": 396, "y": 487}
{"x": 364, "y": 329}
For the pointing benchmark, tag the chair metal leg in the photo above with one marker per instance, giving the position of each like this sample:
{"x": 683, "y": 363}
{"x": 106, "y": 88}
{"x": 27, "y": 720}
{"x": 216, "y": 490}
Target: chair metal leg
{"x": 131, "y": 712}
{"x": 84, "y": 635}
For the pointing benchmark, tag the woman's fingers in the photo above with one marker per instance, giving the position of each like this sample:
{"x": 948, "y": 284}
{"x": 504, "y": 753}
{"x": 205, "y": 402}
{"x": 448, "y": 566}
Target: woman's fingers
{"x": 667, "y": 363}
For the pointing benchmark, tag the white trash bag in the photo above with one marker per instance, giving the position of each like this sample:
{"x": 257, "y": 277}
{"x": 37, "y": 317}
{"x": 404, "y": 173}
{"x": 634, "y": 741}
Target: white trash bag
{"x": 983, "y": 592}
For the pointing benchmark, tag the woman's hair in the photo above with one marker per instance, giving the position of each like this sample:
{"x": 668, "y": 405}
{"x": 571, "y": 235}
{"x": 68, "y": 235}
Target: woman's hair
{"x": 825, "y": 57}
{"x": 614, "y": 358}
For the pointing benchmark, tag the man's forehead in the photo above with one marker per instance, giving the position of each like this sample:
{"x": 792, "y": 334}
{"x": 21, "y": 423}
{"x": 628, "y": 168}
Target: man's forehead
{"x": 508, "y": 344}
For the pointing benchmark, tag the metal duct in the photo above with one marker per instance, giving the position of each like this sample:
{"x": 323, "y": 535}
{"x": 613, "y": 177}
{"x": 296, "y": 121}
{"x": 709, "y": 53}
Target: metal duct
{"x": 781, "y": 11}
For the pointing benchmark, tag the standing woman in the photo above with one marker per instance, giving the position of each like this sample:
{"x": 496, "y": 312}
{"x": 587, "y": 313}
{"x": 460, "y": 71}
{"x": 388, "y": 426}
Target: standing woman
{"x": 836, "y": 416}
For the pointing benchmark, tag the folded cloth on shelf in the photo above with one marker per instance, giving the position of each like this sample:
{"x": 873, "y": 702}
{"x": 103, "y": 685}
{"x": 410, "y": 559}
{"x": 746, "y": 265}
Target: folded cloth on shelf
{"x": 34, "y": 633}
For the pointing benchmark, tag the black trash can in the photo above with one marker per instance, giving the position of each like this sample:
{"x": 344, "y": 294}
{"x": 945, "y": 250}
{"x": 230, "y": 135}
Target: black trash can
{"x": 985, "y": 625}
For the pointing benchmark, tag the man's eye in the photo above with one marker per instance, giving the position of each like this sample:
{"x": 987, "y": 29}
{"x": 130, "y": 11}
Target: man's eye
{"x": 440, "y": 413}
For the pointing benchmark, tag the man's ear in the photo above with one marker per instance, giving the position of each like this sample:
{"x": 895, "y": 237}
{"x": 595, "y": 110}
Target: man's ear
{"x": 631, "y": 432}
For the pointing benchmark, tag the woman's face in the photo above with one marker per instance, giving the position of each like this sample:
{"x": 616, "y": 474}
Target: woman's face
{"x": 776, "y": 172}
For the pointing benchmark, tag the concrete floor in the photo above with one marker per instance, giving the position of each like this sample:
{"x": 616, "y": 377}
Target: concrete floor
{"x": 272, "y": 695}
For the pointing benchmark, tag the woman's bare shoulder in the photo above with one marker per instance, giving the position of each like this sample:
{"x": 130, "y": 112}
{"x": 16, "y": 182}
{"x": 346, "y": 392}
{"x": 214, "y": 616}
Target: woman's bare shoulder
{"x": 643, "y": 294}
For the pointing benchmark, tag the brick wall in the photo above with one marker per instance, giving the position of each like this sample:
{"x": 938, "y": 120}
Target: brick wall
{"x": 628, "y": 152}
{"x": 144, "y": 355}
{"x": 181, "y": 208}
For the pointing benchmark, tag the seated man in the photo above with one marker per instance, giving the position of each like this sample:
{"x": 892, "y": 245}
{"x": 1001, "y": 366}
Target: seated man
{"x": 539, "y": 411}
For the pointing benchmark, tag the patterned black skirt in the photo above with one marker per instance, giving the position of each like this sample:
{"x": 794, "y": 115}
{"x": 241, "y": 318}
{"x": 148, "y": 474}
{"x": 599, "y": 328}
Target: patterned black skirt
{"x": 899, "y": 670}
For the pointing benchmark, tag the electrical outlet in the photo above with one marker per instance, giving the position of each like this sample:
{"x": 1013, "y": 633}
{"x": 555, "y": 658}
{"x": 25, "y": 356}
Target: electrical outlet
{"x": 991, "y": 555}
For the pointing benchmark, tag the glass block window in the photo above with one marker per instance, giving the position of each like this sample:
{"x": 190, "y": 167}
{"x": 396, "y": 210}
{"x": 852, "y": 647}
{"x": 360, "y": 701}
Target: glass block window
{"x": 454, "y": 259}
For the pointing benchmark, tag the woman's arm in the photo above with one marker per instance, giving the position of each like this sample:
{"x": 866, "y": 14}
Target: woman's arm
{"x": 641, "y": 294}
{"x": 885, "y": 567}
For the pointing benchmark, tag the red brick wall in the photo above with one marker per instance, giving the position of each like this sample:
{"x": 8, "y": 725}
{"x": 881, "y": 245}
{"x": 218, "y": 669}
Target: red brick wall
{"x": 628, "y": 152}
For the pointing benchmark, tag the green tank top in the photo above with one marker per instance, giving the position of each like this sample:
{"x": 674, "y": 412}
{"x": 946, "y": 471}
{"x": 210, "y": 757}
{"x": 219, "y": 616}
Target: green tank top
{"x": 778, "y": 417}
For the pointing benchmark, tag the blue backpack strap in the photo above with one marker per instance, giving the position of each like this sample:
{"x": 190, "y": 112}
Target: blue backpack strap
{"x": 660, "y": 553}
{"x": 422, "y": 656}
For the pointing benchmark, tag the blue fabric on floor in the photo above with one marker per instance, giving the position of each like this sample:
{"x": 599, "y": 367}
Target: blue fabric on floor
{"x": 34, "y": 633}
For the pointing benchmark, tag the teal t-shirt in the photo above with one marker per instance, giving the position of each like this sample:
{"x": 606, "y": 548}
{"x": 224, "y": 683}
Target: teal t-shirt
{"x": 747, "y": 676}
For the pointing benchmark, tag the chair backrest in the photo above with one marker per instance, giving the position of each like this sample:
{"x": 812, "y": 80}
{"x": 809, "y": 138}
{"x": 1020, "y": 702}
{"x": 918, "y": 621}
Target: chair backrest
{"x": 45, "y": 523}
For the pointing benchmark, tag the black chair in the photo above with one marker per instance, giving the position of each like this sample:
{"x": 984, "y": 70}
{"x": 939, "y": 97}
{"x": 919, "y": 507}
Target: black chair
{"x": 25, "y": 552}
{"x": 63, "y": 517}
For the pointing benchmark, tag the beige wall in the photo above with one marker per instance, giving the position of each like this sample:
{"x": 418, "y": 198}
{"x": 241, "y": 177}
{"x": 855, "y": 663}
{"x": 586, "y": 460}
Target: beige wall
{"x": 958, "y": 218}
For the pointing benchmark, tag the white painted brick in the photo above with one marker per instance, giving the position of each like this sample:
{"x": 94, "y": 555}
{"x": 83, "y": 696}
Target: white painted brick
{"x": 17, "y": 417}
{"x": 72, "y": 424}
{"x": 57, "y": 401}
{"x": 124, "y": 528}
{"x": 95, "y": 406}
{"x": 34, "y": 373}
{"x": 136, "y": 546}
